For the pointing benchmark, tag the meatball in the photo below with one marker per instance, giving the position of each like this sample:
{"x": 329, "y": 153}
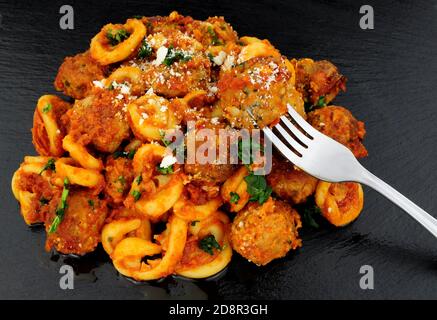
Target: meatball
{"x": 43, "y": 197}
{"x": 180, "y": 65}
{"x": 339, "y": 124}
{"x": 255, "y": 92}
{"x": 290, "y": 183}
{"x": 261, "y": 233}
{"x": 174, "y": 21}
{"x": 215, "y": 31}
{"x": 76, "y": 74}
{"x": 118, "y": 176}
{"x": 316, "y": 79}
{"x": 79, "y": 231}
{"x": 210, "y": 173}
{"x": 99, "y": 119}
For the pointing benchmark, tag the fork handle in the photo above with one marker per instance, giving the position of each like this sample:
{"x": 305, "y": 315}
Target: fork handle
{"x": 421, "y": 216}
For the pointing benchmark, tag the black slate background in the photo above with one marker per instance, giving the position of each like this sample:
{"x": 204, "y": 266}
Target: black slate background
{"x": 392, "y": 73}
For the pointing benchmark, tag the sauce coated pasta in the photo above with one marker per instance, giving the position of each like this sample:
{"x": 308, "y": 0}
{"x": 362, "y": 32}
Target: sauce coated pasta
{"x": 106, "y": 174}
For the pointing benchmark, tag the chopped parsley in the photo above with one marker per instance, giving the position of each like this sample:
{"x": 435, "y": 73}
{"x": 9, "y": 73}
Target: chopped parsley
{"x": 138, "y": 179}
{"x": 234, "y": 197}
{"x": 163, "y": 139}
{"x": 321, "y": 102}
{"x": 43, "y": 201}
{"x": 136, "y": 194}
{"x": 50, "y": 165}
{"x": 122, "y": 180}
{"x": 174, "y": 55}
{"x": 257, "y": 188}
{"x": 137, "y": 16}
{"x": 60, "y": 211}
{"x": 117, "y": 36}
{"x": 124, "y": 154}
{"x": 47, "y": 108}
{"x": 91, "y": 203}
{"x": 208, "y": 244}
{"x": 145, "y": 50}
{"x": 210, "y": 57}
{"x": 193, "y": 223}
{"x": 215, "y": 41}
{"x": 166, "y": 170}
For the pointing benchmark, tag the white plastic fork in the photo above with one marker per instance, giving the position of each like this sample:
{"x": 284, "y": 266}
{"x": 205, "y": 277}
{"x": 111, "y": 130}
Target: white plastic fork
{"x": 328, "y": 160}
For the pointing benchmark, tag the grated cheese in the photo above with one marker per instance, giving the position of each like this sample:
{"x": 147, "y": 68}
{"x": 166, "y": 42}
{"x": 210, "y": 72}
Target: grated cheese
{"x": 160, "y": 55}
{"x": 167, "y": 161}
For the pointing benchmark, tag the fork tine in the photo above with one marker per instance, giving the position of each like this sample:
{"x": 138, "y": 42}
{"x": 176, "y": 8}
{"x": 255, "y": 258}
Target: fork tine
{"x": 299, "y": 135}
{"x": 296, "y": 145}
{"x": 286, "y": 151}
{"x": 301, "y": 122}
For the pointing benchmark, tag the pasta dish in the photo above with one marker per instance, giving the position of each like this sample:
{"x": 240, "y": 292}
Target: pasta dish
{"x": 110, "y": 168}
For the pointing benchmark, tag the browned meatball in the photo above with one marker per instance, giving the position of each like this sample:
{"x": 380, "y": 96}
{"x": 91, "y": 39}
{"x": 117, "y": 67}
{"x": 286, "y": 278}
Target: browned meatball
{"x": 45, "y": 197}
{"x": 290, "y": 183}
{"x": 76, "y": 74}
{"x": 215, "y": 31}
{"x": 339, "y": 124}
{"x": 118, "y": 176}
{"x": 316, "y": 79}
{"x": 99, "y": 119}
{"x": 210, "y": 173}
{"x": 174, "y": 21}
{"x": 261, "y": 233}
{"x": 79, "y": 231}
{"x": 185, "y": 67}
{"x": 261, "y": 86}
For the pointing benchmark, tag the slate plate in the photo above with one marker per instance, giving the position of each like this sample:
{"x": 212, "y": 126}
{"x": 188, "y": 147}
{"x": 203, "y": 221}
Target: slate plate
{"x": 392, "y": 73}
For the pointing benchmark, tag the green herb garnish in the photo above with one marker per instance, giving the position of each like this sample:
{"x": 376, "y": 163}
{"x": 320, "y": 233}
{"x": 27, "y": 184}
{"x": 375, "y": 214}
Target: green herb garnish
{"x": 115, "y": 37}
{"x": 43, "y": 201}
{"x": 138, "y": 179}
{"x": 193, "y": 223}
{"x": 50, "y": 165}
{"x": 136, "y": 194}
{"x": 215, "y": 41}
{"x": 60, "y": 211}
{"x": 257, "y": 187}
{"x": 163, "y": 139}
{"x": 234, "y": 197}
{"x": 174, "y": 55}
{"x": 166, "y": 170}
{"x": 321, "y": 102}
{"x": 124, "y": 154}
{"x": 91, "y": 203}
{"x": 122, "y": 180}
{"x": 47, "y": 108}
{"x": 145, "y": 50}
{"x": 210, "y": 57}
{"x": 209, "y": 243}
